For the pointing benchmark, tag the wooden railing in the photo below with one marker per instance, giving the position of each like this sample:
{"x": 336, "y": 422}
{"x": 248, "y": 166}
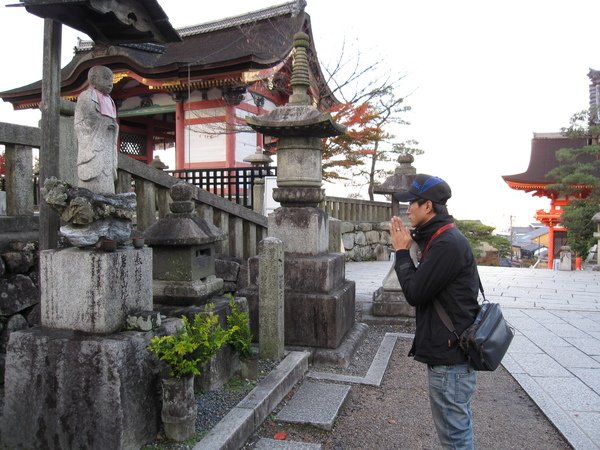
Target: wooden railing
{"x": 243, "y": 228}
{"x": 236, "y": 184}
{"x": 233, "y": 183}
{"x": 356, "y": 210}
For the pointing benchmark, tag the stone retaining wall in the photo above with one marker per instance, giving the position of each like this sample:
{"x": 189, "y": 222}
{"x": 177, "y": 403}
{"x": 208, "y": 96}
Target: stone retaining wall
{"x": 19, "y": 291}
{"x": 364, "y": 241}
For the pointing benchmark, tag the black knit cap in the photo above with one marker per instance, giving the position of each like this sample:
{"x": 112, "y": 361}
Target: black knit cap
{"x": 426, "y": 187}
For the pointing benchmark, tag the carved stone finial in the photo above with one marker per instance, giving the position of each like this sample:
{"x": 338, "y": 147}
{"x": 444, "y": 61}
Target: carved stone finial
{"x": 406, "y": 158}
{"x": 181, "y": 193}
{"x": 300, "y": 78}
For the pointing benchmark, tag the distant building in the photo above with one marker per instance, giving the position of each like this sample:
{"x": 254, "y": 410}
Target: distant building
{"x": 192, "y": 96}
{"x": 527, "y": 242}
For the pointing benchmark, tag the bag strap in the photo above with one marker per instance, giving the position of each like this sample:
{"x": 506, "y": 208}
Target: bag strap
{"x": 445, "y": 318}
{"x": 444, "y": 315}
{"x": 439, "y": 231}
{"x": 481, "y": 289}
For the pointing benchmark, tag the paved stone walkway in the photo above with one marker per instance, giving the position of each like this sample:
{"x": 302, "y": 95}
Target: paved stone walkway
{"x": 555, "y": 355}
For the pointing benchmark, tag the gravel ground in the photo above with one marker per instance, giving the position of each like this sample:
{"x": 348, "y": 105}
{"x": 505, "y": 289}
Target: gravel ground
{"x": 396, "y": 415}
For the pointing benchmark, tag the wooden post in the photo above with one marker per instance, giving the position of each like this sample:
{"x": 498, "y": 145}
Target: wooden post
{"x": 163, "y": 199}
{"x": 179, "y": 135}
{"x": 146, "y": 203}
{"x": 236, "y": 237}
{"x": 123, "y": 182}
{"x": 50, "y": 106}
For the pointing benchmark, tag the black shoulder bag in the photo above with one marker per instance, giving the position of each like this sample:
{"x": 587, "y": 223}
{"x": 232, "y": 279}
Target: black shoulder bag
{"x": 487, "y": 339}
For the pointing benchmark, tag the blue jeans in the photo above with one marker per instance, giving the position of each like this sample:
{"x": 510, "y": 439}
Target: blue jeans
{"x": 450, "y": 391}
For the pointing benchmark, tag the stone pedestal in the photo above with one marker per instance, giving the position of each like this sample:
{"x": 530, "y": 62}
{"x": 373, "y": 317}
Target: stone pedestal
{"x": 319, "y": 301}
{"x": 302, "y": 230}
{"x": 94, "y": 291}
{"x": 389, "y": 301}
{"x": 70, "y": 390}
{"x": 185, "y": 293}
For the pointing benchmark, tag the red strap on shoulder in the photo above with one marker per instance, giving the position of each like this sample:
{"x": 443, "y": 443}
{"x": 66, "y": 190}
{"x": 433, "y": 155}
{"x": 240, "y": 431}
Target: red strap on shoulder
{"x": 439, "y": 231}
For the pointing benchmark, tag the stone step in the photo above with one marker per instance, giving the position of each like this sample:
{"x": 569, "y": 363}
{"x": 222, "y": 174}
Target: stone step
{"x": 272, "y": 444}
{"x": 239, "y": 424}
{"x": 316, "y": 404}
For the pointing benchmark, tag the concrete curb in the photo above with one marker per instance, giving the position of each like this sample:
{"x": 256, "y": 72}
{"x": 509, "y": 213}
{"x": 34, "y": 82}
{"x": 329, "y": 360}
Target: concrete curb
{"x": 378, "y": 366}
{"x": 238, "y": 425}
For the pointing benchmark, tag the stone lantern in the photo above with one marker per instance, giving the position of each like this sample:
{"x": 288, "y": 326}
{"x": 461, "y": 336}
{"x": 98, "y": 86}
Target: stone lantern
{"x": 258, "y": 159}
{"x": 319, "y": 301}
{"x": 183, "y": 247}
{"x": 400, "y": 181}
{"x": 389, "y": 300}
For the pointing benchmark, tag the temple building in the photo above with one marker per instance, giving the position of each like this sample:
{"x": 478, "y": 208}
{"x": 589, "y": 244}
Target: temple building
{"x": 534, "y": 180}
{"x": 543, "y": 160}
{"x": 193, "y": 96}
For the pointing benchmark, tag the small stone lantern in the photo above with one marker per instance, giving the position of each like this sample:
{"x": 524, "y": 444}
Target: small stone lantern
{"x": 258, "y": 159}
{"x": 183, "y": 247}
{"x": 596, "y": 220}
{"x": 389, "y": 300}
{"x": 401, "y": 180}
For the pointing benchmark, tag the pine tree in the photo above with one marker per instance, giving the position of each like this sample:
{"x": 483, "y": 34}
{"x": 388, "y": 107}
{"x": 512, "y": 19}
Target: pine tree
{"x": 578, "y": 176}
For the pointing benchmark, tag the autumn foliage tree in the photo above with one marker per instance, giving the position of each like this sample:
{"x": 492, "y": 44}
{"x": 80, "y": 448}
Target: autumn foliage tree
{"x": 348, "y": 150}
{"x": 370, "y": 109}
{"x": 358, "y": 155}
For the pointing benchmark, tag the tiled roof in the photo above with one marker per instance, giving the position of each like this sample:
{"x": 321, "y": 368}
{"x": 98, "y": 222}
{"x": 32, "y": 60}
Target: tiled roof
{"x": 293, "y": 8}
{"x": 251, "y": 42}
{"x": 543, "y": 158}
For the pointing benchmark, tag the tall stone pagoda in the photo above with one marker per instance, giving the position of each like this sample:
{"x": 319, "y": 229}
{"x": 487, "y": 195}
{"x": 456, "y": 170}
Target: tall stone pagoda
{"x": 319, "y": 301}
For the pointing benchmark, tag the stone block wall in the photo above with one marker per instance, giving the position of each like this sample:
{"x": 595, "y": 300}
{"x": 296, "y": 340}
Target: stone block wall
{"x": 365, "y": 241}
{"x": 19, "y": 291}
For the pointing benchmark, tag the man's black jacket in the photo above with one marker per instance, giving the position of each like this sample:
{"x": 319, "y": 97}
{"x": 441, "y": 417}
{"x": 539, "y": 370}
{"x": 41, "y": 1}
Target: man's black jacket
{"x": 448, "y": 272}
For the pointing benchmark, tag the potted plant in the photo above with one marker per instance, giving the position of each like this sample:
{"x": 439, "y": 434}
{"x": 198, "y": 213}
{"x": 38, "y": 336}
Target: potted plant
{"x": 185, "y": 353}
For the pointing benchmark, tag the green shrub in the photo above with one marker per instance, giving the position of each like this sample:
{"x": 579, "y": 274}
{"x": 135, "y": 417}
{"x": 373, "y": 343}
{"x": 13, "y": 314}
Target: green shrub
{"x": 187, "y": 351}
{"x": 238, "y": 324}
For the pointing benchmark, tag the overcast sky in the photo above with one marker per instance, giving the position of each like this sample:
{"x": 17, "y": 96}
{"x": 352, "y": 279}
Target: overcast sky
{"x": 483, "y": 76}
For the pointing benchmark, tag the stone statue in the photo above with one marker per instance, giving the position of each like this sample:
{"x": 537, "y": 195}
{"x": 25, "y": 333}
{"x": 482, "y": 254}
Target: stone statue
{"x": 91, "y": 211}
{"x": 97, "y": 132}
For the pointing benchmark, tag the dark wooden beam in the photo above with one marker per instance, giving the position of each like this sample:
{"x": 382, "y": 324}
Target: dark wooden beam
{"x": 50, "y": 106}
